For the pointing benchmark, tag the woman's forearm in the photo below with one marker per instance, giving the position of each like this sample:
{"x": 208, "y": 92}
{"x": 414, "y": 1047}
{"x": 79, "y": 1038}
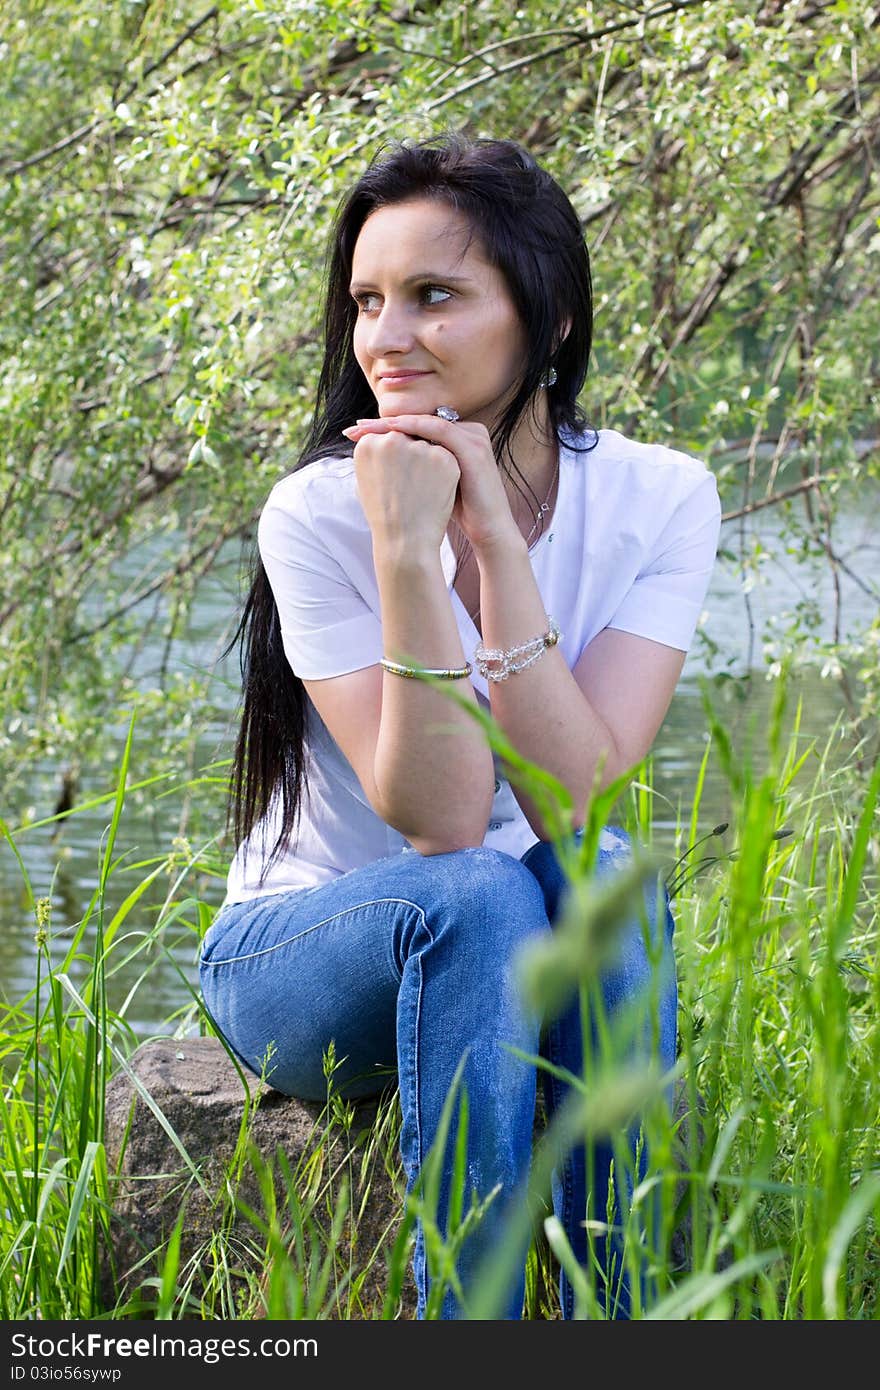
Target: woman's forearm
{"x": 433, "y": 767}
{"x": 542, "y": 710}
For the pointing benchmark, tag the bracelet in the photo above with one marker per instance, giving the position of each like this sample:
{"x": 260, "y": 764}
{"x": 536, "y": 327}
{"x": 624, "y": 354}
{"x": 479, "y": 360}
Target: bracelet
{"x": 496, "y": 665}
{"x": 448, "y": 673}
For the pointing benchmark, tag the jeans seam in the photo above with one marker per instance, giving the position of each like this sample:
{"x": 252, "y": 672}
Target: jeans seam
{"x": 266, "y": 951}
{"x": 566, "y": 1175}
{"x": 422, "y": 1293}
{"x": 418, "y": 1064}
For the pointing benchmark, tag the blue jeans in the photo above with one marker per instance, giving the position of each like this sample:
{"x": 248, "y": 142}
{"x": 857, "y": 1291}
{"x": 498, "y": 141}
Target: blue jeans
{"x": 405, "y": 964}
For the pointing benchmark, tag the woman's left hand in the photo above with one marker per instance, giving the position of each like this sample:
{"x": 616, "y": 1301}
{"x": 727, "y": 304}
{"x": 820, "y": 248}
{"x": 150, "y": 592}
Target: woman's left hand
{"x": 481, "y": 509}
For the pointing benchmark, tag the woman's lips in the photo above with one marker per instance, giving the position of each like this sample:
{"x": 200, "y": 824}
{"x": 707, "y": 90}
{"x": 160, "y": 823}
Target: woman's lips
{"x": 400, "y": 378}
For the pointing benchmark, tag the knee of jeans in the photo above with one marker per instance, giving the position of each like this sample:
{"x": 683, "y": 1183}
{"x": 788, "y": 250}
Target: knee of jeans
{"x": 615, "y": 851}
{"x": 497, "y": 888}
{"x": 615, "y": 842}
{"x": 496, "y": 871}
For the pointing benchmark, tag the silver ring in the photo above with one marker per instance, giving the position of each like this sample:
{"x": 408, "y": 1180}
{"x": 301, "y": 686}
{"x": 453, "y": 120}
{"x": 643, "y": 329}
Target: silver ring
{"x": 447, "y": 412}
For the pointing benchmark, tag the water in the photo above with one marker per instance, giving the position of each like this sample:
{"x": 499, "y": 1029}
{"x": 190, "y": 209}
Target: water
{"x": 63, "y": 864}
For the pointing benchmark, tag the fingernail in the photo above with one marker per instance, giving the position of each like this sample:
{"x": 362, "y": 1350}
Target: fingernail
{"x": 349, "y": 430}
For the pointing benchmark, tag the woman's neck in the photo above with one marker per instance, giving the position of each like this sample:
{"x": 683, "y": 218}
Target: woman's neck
{"x": 530, "y": 482}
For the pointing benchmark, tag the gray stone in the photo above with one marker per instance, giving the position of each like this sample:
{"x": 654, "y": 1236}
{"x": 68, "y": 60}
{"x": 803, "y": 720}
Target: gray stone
{"x": 196, "y": 1086}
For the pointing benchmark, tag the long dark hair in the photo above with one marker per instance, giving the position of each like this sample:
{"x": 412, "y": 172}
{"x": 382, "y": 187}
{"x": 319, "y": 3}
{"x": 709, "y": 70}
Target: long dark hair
{"x": 528, "y": 230}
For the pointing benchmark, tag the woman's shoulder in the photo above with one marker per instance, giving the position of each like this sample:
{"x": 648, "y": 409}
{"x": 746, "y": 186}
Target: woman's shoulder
{"x": 323, "y": 487}
{"x": 329, "y": 472}
{"x": 640, "y": 476}
{"x": 613, "y": 450}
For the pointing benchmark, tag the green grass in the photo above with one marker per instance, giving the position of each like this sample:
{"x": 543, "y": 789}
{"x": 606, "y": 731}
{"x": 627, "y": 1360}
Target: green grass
{"x": 775, "y": 1177}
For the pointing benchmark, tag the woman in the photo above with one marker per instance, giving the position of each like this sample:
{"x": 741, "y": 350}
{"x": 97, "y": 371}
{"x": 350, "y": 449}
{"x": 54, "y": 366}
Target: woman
{"x": 451, "y": 512}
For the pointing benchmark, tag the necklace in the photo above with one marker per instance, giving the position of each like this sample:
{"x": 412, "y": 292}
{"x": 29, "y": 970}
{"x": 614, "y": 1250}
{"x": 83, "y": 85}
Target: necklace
{"x": 539, "y": 515}
{"x": 545, "y": 505}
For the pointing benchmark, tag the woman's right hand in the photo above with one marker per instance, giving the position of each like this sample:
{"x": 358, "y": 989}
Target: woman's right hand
{"x": 407, "y": 489}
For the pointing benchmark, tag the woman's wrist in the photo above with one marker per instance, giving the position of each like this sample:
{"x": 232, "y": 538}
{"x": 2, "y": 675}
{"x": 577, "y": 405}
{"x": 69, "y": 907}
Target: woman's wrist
{"x": 408, "y": 554}
{"x": 505, "y": 545}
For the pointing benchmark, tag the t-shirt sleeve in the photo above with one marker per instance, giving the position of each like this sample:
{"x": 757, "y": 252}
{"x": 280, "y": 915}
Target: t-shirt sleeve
{"x": 326, "y": 626}
{"x": 665, "y": 601}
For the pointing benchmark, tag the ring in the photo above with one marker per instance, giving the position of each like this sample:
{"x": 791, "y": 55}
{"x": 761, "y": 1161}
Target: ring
{"x": 447, "y": 412}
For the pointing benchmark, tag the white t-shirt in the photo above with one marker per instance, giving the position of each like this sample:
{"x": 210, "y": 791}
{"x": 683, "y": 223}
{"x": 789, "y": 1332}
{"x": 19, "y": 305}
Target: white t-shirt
{"x": 631, "y": 545}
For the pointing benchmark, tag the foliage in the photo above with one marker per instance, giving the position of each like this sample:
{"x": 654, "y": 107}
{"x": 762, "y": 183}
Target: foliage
{"x": 169, "y": 171}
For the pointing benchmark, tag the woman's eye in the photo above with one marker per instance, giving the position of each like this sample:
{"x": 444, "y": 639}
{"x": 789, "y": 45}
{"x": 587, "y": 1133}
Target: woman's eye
{"x": 431, "y": 294}
{"x": 435, "y": 289}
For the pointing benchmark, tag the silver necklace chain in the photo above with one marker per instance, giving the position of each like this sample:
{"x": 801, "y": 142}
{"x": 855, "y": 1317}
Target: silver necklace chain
{"x": 542, "y": 511}
{"x": 545, "y": 505}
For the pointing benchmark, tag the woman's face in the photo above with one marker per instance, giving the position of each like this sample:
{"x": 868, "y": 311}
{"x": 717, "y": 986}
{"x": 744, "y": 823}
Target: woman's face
{"x": 436, "y": 324}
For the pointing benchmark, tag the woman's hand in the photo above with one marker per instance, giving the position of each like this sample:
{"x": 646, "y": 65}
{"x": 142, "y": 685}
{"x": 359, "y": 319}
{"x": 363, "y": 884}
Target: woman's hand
{"x": 481, "y": 507}
{"x": 407, "y": 487}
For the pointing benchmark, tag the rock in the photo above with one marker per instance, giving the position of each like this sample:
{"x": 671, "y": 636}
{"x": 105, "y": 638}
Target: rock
{"x": 222, "y": 1258}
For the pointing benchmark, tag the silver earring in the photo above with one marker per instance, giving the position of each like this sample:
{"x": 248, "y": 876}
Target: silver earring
{"x": 550, "y": 377}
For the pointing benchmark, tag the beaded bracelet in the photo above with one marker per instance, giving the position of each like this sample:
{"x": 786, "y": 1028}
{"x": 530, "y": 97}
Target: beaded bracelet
{"x": 443, "y": 673}
{"x": 496, "y": 665}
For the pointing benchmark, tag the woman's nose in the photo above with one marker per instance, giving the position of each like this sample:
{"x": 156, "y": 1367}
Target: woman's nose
{"x": 389, "y": 331}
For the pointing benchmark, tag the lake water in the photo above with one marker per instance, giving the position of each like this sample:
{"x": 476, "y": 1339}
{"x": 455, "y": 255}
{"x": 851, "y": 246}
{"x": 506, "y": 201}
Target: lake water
{"x": 65, "y": 867}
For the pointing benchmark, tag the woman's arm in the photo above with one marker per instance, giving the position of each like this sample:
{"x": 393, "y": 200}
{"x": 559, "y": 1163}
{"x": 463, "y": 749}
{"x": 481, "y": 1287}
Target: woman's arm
{"x": 432, "y": 768}
{"x": 434, "y": 786}
{"x": 422, "y": 761}
{"x": 603, "y": 714}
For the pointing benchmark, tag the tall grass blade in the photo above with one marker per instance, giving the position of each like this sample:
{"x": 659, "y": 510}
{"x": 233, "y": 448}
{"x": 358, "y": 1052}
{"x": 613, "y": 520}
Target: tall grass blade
{"x": 860, "y": 1204}
{"x": 118, "y": 803}
{"x": 699, "y": 1291}
{"x": 77, "y": 1201}
{"x": 170, "y": 1266}
{"x": 852, "y": 886}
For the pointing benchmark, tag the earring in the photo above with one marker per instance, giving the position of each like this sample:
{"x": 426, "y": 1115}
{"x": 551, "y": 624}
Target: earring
{"x": 550, "y": 377}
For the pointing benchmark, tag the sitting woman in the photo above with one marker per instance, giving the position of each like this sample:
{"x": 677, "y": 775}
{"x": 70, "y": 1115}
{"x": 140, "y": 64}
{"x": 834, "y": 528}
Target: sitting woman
{"x": 451, "y": 512}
